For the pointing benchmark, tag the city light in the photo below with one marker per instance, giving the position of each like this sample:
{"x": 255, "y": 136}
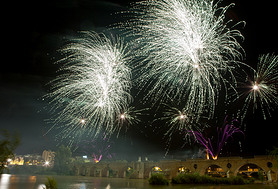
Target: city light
{"x": 156, "y": 169}
{"x": 46, "y": 163}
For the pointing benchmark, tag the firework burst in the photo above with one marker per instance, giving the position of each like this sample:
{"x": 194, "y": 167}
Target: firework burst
{"x": 128, "y": 117}
{"x": 180, "y": 120}
{"x": 186, "y": 51}
{"x": 263, "y": 86}
{"x": 176, "y": 121}
{"x": 93, "y": 86}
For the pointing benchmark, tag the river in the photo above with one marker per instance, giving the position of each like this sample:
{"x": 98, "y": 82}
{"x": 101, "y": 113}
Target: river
{"x": 8, "y": 181}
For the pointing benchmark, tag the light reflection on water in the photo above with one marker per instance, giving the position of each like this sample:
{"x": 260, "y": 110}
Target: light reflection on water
{"x": 4, "y": 182}
{"x": 8, "y": 181}
{"x": 41, "y": 186}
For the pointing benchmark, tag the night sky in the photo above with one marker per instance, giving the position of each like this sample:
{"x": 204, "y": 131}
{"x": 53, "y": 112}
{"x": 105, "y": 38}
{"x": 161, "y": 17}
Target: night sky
{"x": 35, "y": 30}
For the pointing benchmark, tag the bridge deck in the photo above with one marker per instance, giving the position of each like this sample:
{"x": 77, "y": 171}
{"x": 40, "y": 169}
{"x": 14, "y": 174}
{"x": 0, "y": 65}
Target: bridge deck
{"x": 227, "y": 166}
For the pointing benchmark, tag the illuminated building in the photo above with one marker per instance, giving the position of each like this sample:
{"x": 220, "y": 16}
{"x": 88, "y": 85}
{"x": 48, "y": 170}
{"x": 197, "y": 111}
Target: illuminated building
{"x": 33, "y": 159}
{"x": 17, "y": 160}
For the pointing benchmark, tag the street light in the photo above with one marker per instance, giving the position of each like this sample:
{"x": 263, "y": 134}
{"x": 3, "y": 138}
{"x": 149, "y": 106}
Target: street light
{"x": 46, "y": 163}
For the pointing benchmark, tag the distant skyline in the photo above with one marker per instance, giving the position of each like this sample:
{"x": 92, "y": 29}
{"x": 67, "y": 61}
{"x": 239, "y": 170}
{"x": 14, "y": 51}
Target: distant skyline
{"x": 35, "y": 30}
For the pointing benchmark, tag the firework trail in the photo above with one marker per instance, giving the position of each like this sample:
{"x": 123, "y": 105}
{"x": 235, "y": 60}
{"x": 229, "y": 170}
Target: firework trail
{"x": 261, "y": 90}
{"x": 223, "y": 135}
{"x": 186, "y": 51}
{"x": 93, "y": 86}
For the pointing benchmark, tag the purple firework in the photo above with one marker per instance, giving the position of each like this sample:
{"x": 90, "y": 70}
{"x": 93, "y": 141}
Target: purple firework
{"x": 224, "y": 134}
{"x": 99, "y": 149}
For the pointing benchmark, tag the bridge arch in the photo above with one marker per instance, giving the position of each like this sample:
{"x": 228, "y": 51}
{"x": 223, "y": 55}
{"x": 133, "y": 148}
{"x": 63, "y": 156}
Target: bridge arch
{"x": 215, "y": 170}
{"x": 128, "y": 171}
{"x": 262, "y": 165}
{"x": 152, "y": 169}
{"x": 156, "y": 169}
{"x": 82, "y": 170}
{"x": 105, "y": 172}
{"x": 92, "y": 171}
{"x": 250, "y": 170}
{"x": 183, "y": 170}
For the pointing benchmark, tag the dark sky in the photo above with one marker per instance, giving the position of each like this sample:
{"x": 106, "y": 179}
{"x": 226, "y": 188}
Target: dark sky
{"x": 34, "y": 30}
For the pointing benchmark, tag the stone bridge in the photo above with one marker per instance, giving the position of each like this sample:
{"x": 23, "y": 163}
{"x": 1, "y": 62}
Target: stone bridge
{"x": 143, "y": 169}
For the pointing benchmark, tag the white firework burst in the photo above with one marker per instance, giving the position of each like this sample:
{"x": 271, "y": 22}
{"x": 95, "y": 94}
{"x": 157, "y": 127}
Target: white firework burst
{"x": 181, "y": 121}
{"x": 178, "y": 123}
{"x": 128, "y": 117}
{"x": 262, "y": 87}
{"x": 186, "y": 50}
{"x": 93, "y": 86}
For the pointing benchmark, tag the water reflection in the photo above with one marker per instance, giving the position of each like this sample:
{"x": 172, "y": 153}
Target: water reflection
{"x": 79, "y": 186}
{"x": 108, "y": 186}
{"x": 41, "y": 186}
{"x": 83, "y": 186}
{"x": 4, "y": 182}
{"x": 8, "y": 181}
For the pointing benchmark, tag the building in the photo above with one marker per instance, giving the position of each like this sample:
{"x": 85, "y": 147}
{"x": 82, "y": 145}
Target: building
{"x": 17, "y": 160}
{"x": 33, "y": 159}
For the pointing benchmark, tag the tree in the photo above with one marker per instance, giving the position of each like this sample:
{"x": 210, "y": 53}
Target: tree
{"x": 51, "y": 183}
{"x": 8, "y": 143}
{"x": 63, "y": 160}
